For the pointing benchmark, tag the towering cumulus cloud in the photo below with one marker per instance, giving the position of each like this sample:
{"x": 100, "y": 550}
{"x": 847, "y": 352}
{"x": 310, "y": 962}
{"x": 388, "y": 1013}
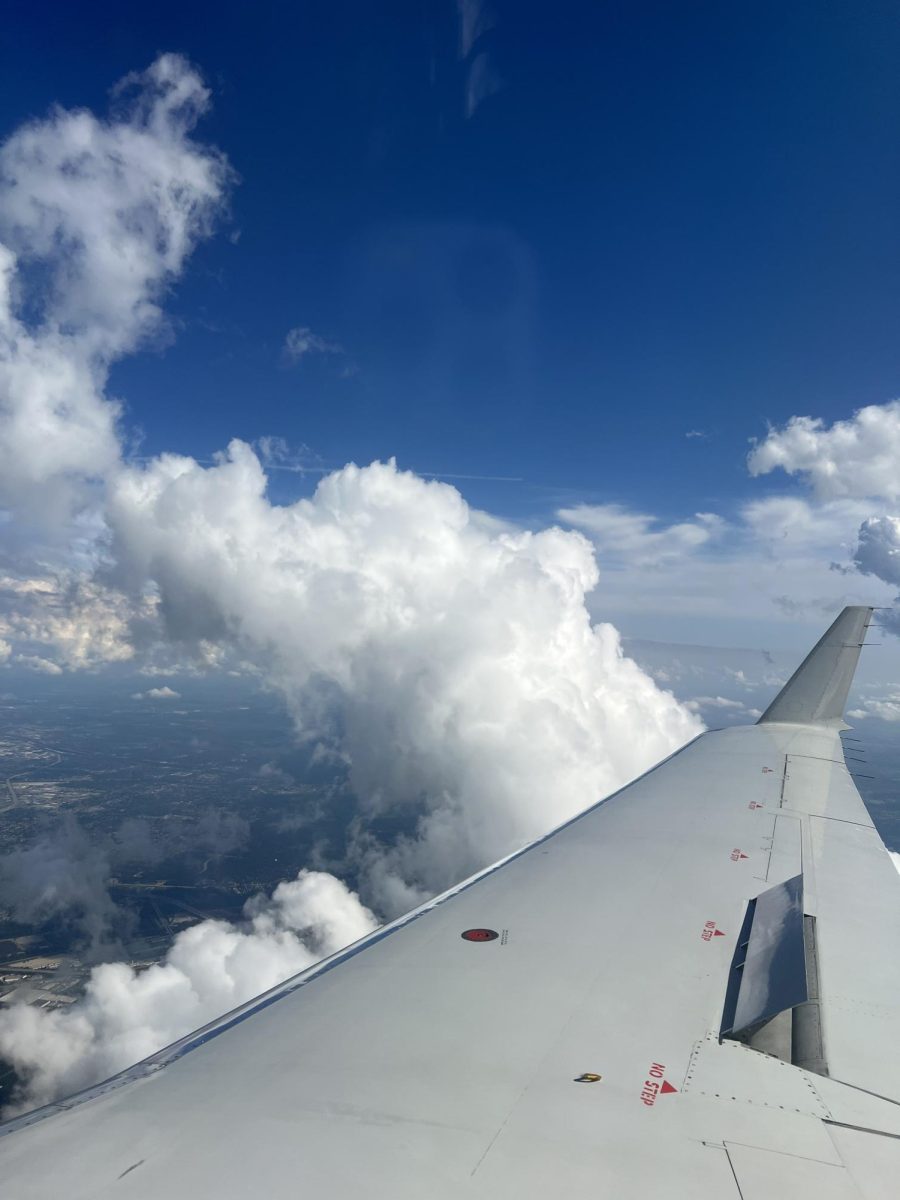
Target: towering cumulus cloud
{"x": 472, "y": 690}
{"x": 445, "y": 660}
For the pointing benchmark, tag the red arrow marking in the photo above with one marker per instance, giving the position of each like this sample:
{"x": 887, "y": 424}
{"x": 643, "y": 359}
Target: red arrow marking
{"x": 743, "y": 856}
{"x": 718, "y": 933}
{"x": 666, "y": 1088}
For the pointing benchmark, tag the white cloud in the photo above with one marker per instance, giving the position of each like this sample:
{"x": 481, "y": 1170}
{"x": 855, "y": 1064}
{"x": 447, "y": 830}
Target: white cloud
{"x": 159, "y": 693}
{"x": 475, "y": 20}
{"x": 471, "y": 685}
{"x": 42, "y": 666}
{"x": 878, "y": 549}
{"x": 301, "y": 342}
{"x": 127, "y": 1014}
{"x": 482, "y": 80}
{"x": 729, "y": 709}
{"x": 481, "y": 77}
{"x": 885, "y": 708}
{"x": 96, "y": 219}
{"x": 84, "y": 623}
{"x": 790, "y": 526}
{"x": 878, "y": 553}
{"x": 635, "y": 537}
{"x": 857, "y": 457}
{"x": 771, "y": 562}
{"x": 855, "y": 463}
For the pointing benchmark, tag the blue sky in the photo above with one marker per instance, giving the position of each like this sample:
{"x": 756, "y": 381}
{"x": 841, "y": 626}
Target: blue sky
{"x": 667, "y": 218}
{"x": 573, "y": 262}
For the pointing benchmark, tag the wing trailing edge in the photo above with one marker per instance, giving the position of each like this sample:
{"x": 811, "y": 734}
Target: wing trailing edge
{"x": 816, "y": 694}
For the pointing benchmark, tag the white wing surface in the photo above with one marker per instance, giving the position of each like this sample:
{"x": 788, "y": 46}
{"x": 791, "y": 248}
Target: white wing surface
{"x": 693, "y": 991}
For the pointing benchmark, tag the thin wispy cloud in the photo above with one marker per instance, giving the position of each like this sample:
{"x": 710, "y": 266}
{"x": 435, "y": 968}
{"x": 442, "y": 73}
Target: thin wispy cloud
{"x": 476, "y": 19}
{"x": 300, "y": 342}
{"x": 482, "y": 80}
{"x": 639, "y": 538}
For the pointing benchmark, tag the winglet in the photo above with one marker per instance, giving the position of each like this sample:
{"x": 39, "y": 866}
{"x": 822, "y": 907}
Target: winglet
{"x": 817, "y": 691}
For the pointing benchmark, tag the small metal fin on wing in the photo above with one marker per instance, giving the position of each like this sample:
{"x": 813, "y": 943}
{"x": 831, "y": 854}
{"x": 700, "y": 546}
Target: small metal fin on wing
{"x": 817, "y": 691}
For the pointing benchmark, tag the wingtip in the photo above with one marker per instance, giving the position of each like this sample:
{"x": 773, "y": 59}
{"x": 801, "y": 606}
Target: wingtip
{"x": 816, "y": 694}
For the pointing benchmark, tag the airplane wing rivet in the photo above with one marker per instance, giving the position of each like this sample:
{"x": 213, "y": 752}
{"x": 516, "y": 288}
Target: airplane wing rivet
{"x": 588, "y": 1077}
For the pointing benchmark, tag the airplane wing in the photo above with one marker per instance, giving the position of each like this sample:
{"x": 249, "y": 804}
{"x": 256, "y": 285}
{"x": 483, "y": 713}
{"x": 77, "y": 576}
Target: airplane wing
{"x": 690, "y": 990}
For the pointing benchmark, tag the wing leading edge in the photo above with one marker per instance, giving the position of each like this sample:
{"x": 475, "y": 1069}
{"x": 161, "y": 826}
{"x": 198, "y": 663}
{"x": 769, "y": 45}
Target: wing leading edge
{"x": 581, "y": 1050}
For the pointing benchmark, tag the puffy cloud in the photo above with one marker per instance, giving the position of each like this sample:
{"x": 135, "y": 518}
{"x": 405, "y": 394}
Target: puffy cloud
{"x": 856, "y": 457}
{"x": 96, "y": 219}
{"x": 851, "y": 466}
{"x": 82, "y": 622}
{"x": 878, "y": 548}
{"x": 885, "y": 708}
{"x": 128, "y": 1013}
{"x": 158, "y": 693}
{"x": 473, "y": 692}
{"x": 878, "y": 553}
{"x": 631, "y": 536}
